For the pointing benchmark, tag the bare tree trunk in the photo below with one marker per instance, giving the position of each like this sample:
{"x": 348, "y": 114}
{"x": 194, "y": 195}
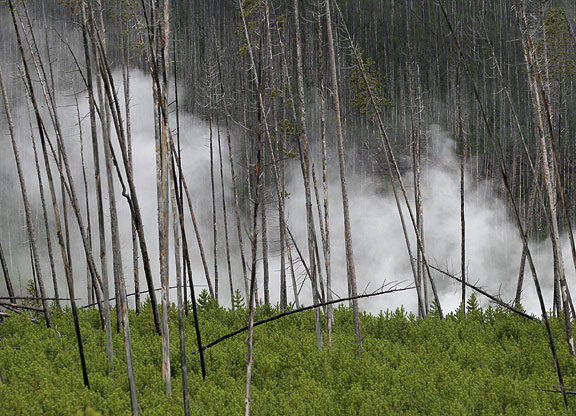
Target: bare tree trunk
{"x": 305, "y": 165}
{"x": 162, "y": 176}
{"x": 292, "y": 273}
{"x": 66, "y": 223}
{"x": 415, "y": 107}
{"x": 131, "y": 197}
{"x": 248, "y": 188}
{"x": 213, "y": 189}
{"x": 27, "y": 211}
{"x": 89, "y": 287}
{"x": 97, "y": 176}
{"x": 128, "y": 346}
{"x": 232, "y": 170}
{"x": 177, "y": 179}
{"x": 105, "y": 125}
{"x": 326, "y": 236}
{"x": 225, "y": 215}
{"x": 187, "y": 263}
{"x": 122, "y": 300}
{"x": 462, "y": 202}
{"x": 46, "y": 225}
{"x": 176, "y": 233}
{"x": 264, "y": 228}
{"x": 347, "y": 228}
{"x": 126, "y": 81}
{"x": 116, "y": 251}
{"x": 257, "y": 186}
{"x": 545, "y": 141}
{"x": 276, "y": 153}
{"x": 252, "y": 298}
{"x": 6, "y": 275}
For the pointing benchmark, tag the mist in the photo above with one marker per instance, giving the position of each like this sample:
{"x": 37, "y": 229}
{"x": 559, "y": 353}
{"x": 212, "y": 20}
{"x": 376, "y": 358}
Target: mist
{"x": 493, "y": 246}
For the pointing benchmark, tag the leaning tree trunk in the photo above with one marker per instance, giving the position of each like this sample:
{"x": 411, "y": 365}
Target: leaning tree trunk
{"x": 46, "y": 226}
{"x": 132, "y": 196}
{"x": 549, "y": 178}
{"x": 178, "y": 266}
{"x": 98, "y": 182}
{"x": 6, "y": 275}
{"x": 25, "y": 200}
{"x": 89, "y": 287}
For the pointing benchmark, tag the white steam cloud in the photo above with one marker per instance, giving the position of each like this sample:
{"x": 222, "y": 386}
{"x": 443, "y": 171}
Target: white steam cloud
{"x": 493, "y": 247}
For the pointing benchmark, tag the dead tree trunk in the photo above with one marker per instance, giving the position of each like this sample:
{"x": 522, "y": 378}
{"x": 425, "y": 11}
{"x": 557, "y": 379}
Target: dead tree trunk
{"x": 225, "y": 216}
{"x": 326, "y": 238}
{"x": 549, "y": 179}
{"x": 463, "y": 146}
{"x": 25, "y": 200}
{"x": 131, "y": 197}
{"x": 232, "y": 170}
{"x": 6, "y": 275}
{"x": 89, "y": 287}
{"x": 213, "y": 193}
{"x": 182, "y": 337}
{"x": 257, "y": 186}
{"x": 415, "y": 108}
{"x": 342, "y": 165}
{"x": 276, "y": 153}
{"x": 85, "y": 12}
{"x": 305, "y": 166}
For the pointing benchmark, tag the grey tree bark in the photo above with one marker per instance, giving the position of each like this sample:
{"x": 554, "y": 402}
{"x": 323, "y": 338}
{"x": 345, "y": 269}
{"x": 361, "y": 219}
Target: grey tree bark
{"x": 342, "y": 166}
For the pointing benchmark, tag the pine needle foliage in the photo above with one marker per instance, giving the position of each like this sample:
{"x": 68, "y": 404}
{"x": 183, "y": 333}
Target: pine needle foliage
{"x": 359, "y": 86}
{"x": 488, "y": 361}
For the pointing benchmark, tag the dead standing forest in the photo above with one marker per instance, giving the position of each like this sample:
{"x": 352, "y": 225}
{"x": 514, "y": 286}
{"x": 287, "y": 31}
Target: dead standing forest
{"x": 154, "y": 149}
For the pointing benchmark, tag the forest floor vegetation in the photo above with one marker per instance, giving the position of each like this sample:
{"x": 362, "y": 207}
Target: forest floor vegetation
{"x": 484, "y": 362}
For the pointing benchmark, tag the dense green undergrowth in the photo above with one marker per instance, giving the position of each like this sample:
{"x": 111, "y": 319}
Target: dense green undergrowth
{"x": 488, "y": 362}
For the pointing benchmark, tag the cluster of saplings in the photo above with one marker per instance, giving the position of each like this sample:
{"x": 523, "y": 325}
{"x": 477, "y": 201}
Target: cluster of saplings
{"x": 489, "y": 361}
